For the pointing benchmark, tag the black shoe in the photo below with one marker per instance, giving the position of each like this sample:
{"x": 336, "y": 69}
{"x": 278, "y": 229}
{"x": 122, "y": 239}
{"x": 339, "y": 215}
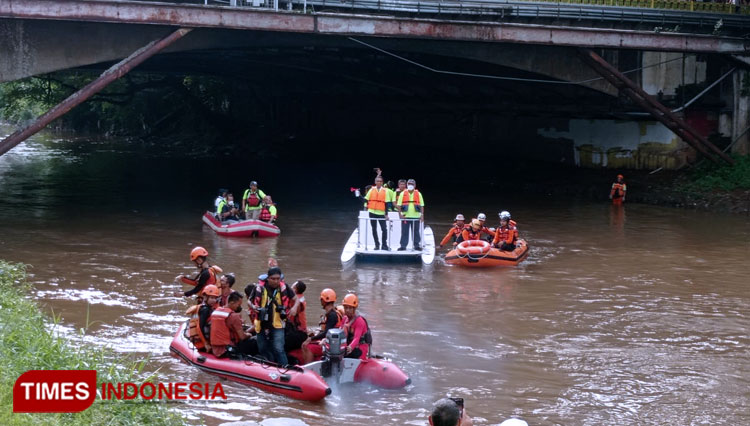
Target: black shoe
{"x": 401, "y": 248}
{"x": 417, "y": 248}
{"x": 377, "y": 247}
{"x": 385, "y": 247}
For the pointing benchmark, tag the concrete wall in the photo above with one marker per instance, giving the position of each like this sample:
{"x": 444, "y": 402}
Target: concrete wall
{"x": 674, "y": 70}
{"x": 619, "y": 144}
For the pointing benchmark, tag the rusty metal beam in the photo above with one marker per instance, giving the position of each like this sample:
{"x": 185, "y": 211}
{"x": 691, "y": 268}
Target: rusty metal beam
{"x": 364, "y": 25}
{"x": 654, "y": 107}
{"x": 113, "y": 73}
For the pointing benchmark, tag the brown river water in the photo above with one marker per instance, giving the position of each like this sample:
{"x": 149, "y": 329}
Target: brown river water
{"x": 619, "y": 316}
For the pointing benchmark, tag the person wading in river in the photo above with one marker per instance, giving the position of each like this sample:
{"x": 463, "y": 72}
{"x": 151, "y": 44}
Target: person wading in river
{"x": 454, "y": 234}
{"x": 617, "y": 193}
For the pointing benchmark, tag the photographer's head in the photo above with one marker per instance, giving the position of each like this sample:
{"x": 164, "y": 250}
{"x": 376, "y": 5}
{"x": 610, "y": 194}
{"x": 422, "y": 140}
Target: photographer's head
{"x": 234, "y": 301}
{"x": 274, "y": 277}
{"x": 445, "y": 412}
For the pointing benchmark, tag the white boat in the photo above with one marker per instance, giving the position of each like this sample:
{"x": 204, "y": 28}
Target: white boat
{"x": 361, "y": 243}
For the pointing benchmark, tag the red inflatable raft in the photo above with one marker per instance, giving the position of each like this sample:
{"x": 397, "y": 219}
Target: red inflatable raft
{"x": 294, "y": 382}
{"x": 244, "y": 228}
{"x": 479, "y": 254}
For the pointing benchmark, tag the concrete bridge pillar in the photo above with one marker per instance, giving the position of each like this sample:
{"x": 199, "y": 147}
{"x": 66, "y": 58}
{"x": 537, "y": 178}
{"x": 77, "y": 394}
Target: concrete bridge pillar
{"x": 741, "y": 112}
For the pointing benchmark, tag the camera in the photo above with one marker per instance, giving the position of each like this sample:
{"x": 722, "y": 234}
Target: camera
{"x": 263, "y": 314}
{"x": 282, "y": 312}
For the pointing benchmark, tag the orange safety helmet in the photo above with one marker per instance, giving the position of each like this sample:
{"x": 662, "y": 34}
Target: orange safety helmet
{"x": 211, "y": 290}
{"x": 328, "y": 296}
{"x": 198, "y": 252}
{"x": 351, "y": 300}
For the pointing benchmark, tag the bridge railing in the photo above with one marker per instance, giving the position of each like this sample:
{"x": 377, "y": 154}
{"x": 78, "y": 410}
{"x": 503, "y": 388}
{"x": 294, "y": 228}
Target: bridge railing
{"x": 573, "y": 9}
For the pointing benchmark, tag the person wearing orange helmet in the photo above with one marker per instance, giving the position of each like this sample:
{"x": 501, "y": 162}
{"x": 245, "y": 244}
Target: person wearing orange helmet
{"x": 198, "y": 326}
{"x": 331, "y": 318}
{"x": 617, "y": 193}
{"x": 358, "y": 338}
{"x": 206, "y": 273}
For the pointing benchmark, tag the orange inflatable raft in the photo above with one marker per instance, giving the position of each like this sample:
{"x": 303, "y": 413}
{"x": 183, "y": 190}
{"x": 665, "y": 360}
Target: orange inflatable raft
{"x": 480, "y": 254}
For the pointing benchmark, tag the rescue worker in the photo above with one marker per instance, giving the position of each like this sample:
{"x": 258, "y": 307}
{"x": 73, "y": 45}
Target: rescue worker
{"x": 358, "y": 338}
{"x": 378, "y": 202}
{"x": 206, "y": 273}
{"x": 454, "y": 234}
{"x": 482, "y": 218}
{"x": 226, "y": 328}
{"x": 198, "y": 327}
{"x": 473, "y": 232}
{"x": 617, "y": 194}
{"x": 272, "y": 302}
{"x": 226, "y": 282}
{"x": 251, "y": 201}
{"x": 268, "y": 211}
{"x": 226, "y": 209}
{"x": 331, "y": 318}
{"x": 506, "y": 234}
{"x": 296, "y": 326}
{"x": 411, "y": 204}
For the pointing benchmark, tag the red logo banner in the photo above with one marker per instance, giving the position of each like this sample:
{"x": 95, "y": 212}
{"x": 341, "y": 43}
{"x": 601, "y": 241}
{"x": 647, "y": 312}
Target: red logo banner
{"x": 54, "y": 391}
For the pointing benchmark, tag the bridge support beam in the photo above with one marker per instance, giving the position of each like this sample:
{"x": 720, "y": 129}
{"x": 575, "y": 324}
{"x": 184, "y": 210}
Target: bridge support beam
{"x": 654, "y": 107}
{"x": 113, "y": 73}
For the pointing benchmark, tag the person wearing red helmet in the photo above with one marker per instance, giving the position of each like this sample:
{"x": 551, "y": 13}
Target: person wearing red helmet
{"x": 617, "y": 194}
{"x": 359, "y": 338}
{"x": 206, "y": 273}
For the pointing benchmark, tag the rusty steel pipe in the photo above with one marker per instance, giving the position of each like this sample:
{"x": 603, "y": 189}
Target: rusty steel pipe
{"x": 654, "y": 107}
{"x": 113, "y": 73}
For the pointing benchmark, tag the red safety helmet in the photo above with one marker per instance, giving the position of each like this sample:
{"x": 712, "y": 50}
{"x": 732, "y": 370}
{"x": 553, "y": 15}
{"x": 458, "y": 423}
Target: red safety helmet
{"x": 351, "y": 300}
{"x": 198, "y": 252}
{"x": 328, "y": 296}
{"x": 211, "y": 290}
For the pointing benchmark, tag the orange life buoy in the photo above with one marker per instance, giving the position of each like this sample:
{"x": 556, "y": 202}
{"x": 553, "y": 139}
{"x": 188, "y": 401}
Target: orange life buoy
{"x": 473, "y": 247}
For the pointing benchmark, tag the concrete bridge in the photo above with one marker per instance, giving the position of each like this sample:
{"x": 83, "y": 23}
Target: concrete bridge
{"x": 668, "y": 48}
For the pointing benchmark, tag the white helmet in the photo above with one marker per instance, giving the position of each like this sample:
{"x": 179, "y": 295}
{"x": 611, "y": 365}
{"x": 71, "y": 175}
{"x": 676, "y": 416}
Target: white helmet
{"x": 482, "y": 216}
{"x": 459, "y": 217}
{"x": 504, "y": 215}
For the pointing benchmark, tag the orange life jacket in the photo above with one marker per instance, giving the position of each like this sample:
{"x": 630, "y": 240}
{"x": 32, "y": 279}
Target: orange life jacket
{"x": 339, "y": 322}
{"x": 503, "y": 233}
{"x": 195, "y": 334}
{"x": 213, "y": 271}
{"x": 415, "y": 199}
{"x": 300, "y": 320}
{"x": 377, "y": 202}
{"x": 221, "y": 335}
{"x": 618, "y": 189}
{"x": 469, "y": 234}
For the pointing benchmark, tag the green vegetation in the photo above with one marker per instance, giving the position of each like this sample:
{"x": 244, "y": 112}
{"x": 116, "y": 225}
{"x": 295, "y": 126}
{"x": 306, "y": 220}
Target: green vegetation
{"x": 28, "y": 342}
{"x": 711, "y": 177}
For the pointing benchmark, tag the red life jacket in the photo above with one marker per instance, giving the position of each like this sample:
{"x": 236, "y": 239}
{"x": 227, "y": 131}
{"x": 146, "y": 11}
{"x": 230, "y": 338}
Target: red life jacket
{"x": 221, "y": 335}
{"x": 504, "y": 231}
{"x": 285, "y": 300}
{"x": 265, "y": 214}
{"x": 253, "y": 200}
{"x": 297, "y": 320}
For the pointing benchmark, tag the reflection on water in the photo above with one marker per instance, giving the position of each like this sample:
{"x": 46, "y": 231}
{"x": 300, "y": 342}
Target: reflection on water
{"x": 621, "y": 315}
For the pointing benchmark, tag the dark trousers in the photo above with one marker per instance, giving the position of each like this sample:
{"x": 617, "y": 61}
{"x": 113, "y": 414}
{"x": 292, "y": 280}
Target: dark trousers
{"x": 383, "y": 229}
{"x": 507, "y": 247}
{"x": 406, "y": 227}
{"x": 354, "y": 354}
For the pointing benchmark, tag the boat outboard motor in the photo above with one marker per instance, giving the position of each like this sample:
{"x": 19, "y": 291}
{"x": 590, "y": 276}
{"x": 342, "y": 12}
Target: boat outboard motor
{"x": 334, "y": 351}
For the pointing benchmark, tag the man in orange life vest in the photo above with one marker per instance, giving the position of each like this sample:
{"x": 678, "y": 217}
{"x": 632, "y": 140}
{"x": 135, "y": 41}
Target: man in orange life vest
{"x": 482, "y": 218}
{"x": 226, "y": 329}
{"x": 206, "y": 273}
{"x": 617, "y": 194}
{"x": 473, "y": 232}
{"x": 379, "y": 201}
{"x": 411, "y": 207}
{"x": 455, "y": 233}
{"x": 331, "y": 318}
{"x": 506, "y": 234}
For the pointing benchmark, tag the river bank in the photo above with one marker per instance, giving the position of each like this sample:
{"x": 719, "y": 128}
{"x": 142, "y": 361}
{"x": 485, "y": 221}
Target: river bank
{"x": 28, "y": 342}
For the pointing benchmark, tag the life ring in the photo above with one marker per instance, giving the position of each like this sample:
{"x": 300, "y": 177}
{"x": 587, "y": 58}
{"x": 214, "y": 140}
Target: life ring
{"x": 473, "y": 247}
